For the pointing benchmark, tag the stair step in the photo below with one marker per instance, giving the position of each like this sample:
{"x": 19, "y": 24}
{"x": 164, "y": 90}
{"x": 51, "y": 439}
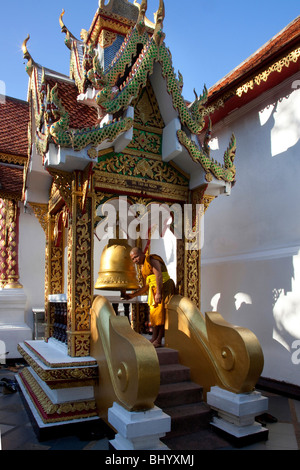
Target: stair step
{"x": 178, "y": 393}
{"x": 205, "y": 439}
{"x": 170, "y": 373}
{"x": 181, "y": 399}
{"x": 188, "y": 418}
{"x": 167, "y": 356}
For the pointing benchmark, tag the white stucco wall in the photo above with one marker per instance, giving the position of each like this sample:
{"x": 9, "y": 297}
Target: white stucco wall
{"x": 251, "y": 253}
{"x": 31, "y": 262}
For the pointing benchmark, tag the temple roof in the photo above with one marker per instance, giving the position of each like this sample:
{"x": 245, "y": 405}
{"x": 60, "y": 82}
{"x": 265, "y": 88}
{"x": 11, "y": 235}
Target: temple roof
{"x": 14, "y": 120}
{"x": 269, "y": 65}
{"x": 11, "y": 182}
{"x": 111, "y": 89}
{"x": 113, "y": 62}
{"x": 122, "y": 53}
{"x": 81, "y": 116}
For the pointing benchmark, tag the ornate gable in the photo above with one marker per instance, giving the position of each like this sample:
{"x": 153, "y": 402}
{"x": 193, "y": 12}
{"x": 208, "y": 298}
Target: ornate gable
{"x": 119, "y": 69}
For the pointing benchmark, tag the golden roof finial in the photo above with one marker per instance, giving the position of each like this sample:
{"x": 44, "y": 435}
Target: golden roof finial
{"x": 143, "y": 8}
{"x": 158, "y": 35}
{"x": 62, "y": 24}
{"x": 24, "y": 48}
{"x": 64, "y": 29}
{"x": 141, "y": 18}
{"x": 26, "y": 55}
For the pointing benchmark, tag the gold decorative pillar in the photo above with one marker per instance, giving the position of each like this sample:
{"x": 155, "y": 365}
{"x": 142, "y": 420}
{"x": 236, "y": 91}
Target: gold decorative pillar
{"x": 9, "y": 243}
{"x": 189, "y": 250}
{"x": 80, "y": 266}
{"x": 2, "y": 243}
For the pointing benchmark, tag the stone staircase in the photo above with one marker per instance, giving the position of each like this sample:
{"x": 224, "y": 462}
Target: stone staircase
{"x": 182, "y": 400}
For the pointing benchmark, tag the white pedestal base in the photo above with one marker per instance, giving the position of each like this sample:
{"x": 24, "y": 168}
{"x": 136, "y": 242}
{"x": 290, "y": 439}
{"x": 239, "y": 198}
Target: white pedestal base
{"x": 138, "y": 430}
{"x": 236, "y": 414}
{"x": 13, "y": 328}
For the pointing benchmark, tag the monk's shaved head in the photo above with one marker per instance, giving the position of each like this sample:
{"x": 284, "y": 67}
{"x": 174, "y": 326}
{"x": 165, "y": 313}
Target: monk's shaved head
{"x": 137, "y": 255}
{"x": 136, "y": 251}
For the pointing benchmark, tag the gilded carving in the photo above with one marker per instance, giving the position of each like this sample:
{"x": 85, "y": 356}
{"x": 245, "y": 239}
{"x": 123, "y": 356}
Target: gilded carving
{"x": 126, "y": 359}
{"x": 263, "y": 76}
{"x": 192, "y": 278}
{"x": 9, "y": 234}
{"x": 80, "y": 278}
{"x": 231, "y": 356}
{"x": 143, "y": 141}
{"x": 14, "y": 159}
{"x": 146, "y": 111}
{"x": 62, "y": 375}
{"x": 55, "y": 263}
{"x": 107, "y": 38}
{"x": 41, "y": 213}
{"x": 50, "y": 412}
{"x": 224, "y": 172}
{"x": 62, "y": 182}
{"x": 157, "y": 171}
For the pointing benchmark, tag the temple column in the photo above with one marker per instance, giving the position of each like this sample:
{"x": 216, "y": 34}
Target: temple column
{"x": 60, "y": 392}
{"x": 9, "y": 241}
{"x": 80, "y": 268}
{"x": 3, "y": 254}
{"x": 189, "y": 248}
{"x": 12, "y": 296}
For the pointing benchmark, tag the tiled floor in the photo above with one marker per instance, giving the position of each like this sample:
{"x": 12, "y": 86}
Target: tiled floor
{"x": 17, "y": 432}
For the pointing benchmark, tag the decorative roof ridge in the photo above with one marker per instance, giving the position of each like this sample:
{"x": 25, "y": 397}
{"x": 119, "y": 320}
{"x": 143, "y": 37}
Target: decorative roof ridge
{"x": 57, "y": 75}
{"x": 200, "y": 153}
{"x": 13, "y": 158}
{"x": 59, "y": 130}
{"x": 290, "y": 36}
{"x": 155, "y": 50}
{"x": 86, "y": 68}
{"x": 33, "y": 64}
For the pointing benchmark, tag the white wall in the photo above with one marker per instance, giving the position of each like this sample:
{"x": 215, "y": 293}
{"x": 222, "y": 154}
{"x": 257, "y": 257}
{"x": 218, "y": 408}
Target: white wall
{"x": 32, "y": 262}
{"x": 251, "y": 253}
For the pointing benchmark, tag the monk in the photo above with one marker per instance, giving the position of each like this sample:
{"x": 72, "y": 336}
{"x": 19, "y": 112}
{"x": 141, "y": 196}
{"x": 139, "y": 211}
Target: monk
{"x": 159, "y": 286}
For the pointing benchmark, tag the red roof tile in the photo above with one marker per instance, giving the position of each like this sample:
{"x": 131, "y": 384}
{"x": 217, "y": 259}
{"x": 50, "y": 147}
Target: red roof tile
{"x": 14, "y": 118}
{"x": 81, "y": 115}
{"x": 11, "y": 179}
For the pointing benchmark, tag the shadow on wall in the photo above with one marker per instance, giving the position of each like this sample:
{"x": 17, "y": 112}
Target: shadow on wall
{"x": 264, "y": 296}
{"x": 284, "y": 121}
{"x": 286, "y": 312}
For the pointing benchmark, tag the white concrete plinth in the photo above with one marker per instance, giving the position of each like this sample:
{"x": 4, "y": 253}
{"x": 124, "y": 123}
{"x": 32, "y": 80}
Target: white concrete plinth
{"x": 235, "y": 430}
{"x": 140, "y": 430}
{"x": 237, "y": 412}
{"x": 13, "y": 328}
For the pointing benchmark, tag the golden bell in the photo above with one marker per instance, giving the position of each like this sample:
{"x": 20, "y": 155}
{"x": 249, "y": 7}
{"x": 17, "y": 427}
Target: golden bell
{"x": 117, "y": 271}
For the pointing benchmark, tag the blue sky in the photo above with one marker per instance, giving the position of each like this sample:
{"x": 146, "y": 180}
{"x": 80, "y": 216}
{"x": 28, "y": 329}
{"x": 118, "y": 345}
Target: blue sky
{"x": 207, "y": 39}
